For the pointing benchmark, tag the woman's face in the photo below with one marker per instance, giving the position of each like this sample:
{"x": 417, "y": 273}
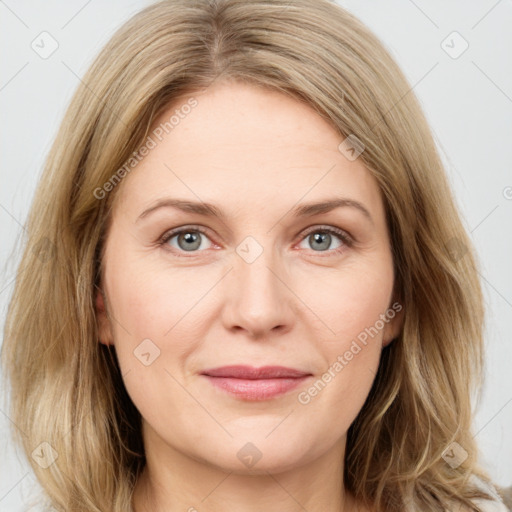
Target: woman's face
{"x": 283, "y": 261}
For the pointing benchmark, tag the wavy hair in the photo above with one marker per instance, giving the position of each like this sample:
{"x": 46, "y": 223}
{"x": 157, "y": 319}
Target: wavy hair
{"x": 67, "y": 390}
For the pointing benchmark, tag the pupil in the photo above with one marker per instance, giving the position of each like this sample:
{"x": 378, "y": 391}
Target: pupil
{"x": 191, "y": 240}
{"x": 324, "y": 239}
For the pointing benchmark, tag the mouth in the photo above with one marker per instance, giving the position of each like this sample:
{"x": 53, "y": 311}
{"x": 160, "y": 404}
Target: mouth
{"x": 249, "y": 383}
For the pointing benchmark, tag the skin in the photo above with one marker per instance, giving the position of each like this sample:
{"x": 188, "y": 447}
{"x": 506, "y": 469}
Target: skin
{"x": 256, "y": 154}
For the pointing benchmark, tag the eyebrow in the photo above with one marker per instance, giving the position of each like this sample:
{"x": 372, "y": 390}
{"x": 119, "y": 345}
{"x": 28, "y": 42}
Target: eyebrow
{"x": 303, "y": 210}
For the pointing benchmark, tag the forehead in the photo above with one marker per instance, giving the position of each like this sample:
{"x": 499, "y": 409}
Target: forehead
{"x": 249, "y": 146}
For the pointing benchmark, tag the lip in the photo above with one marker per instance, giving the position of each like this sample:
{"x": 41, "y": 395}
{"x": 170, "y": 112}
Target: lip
{"x": 249, "y": 383}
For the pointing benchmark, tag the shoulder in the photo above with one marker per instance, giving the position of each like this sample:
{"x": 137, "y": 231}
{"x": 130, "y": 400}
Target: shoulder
{"x": 494, "y": 505}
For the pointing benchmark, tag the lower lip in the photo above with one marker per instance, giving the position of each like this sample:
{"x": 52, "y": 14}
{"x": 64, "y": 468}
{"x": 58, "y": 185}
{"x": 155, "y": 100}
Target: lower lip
{"x": 256, "y": 389}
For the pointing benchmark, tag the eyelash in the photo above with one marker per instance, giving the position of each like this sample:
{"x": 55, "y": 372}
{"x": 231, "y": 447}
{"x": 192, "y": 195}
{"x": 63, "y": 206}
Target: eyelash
{"x": 346, "y": 239}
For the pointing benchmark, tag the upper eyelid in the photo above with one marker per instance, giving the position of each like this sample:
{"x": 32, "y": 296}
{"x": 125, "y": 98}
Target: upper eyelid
{"x": 190, "y": 227}
{"x": 326, "y": 227}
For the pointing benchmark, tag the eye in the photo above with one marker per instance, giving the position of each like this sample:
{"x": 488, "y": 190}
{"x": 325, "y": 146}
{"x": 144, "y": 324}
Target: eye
{"x": 188, "y": 239}
{"x": 322, "y": 238}
{"x": 195, "y": 239}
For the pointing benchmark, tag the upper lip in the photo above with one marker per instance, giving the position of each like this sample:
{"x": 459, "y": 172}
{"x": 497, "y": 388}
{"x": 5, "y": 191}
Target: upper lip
{"x": 252, "y": 373}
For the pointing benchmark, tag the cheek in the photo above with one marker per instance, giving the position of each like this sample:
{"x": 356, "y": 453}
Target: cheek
{"x": 158, "y": 323}
{"x": 351, "y": 304}
{"x": 153, "y": 334}
{"x": 337, "y": 394}
{"x": 348, "y": 301}
{"x": 149, "y": 300}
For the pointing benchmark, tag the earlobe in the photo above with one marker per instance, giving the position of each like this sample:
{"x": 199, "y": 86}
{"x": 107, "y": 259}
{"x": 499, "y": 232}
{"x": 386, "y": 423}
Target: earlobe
{"x": 393, "y": 327}
{"x": 104, "y": 328}
{"x": 387, "y": 341}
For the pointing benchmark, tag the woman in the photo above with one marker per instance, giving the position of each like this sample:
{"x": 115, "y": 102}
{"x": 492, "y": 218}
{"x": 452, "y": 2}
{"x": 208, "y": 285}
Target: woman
{"x": 180, "y": 343}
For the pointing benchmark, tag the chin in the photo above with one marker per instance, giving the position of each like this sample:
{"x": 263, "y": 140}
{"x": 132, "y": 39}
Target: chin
{"x": 256, "y": 457}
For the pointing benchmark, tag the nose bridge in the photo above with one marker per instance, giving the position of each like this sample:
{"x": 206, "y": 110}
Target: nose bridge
{"x": 261, "y": 301}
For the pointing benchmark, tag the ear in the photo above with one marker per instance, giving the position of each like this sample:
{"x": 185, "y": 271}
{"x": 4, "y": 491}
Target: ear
{"x": 104, "y": 327}
{"x": 393, "y": 327}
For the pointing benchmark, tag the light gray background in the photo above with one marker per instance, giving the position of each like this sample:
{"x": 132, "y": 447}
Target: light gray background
{"x": 468, "y": 102}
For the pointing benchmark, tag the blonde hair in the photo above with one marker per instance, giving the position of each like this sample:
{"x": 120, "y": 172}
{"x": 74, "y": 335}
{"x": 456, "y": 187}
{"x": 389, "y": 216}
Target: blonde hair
{"x": 66, "y": 387}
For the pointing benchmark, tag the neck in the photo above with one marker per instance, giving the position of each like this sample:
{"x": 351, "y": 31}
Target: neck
{"x": 173, "y": 481}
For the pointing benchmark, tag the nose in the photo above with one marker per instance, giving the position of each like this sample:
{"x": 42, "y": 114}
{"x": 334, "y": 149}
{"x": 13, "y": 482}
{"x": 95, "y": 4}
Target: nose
{"x": 259, "y": 300}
